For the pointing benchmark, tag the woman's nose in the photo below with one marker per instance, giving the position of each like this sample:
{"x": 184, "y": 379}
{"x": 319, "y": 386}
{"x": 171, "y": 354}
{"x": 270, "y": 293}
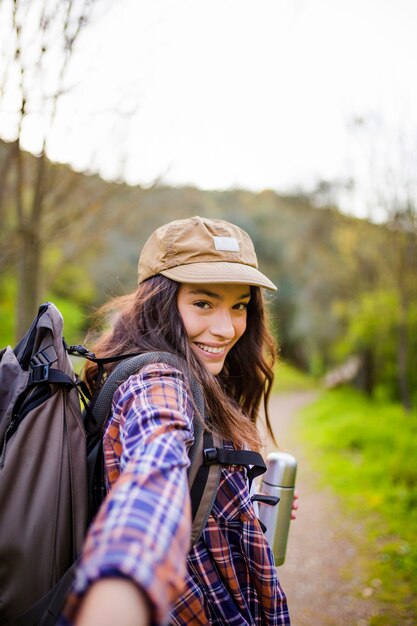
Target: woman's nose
{"x": 223, "y": 325}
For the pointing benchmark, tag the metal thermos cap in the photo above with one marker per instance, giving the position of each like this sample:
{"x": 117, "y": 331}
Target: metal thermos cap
{"x": 282, "y": 468}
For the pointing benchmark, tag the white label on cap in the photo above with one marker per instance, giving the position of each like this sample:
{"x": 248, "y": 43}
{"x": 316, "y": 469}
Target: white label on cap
{"x": 226, "y": 244}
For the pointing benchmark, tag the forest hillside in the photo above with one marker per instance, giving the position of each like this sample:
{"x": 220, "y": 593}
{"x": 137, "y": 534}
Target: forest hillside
{"x": 347, "y": 295}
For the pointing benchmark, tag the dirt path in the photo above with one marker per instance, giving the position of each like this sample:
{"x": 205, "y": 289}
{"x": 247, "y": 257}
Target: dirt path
{"x": 322, "y": 575}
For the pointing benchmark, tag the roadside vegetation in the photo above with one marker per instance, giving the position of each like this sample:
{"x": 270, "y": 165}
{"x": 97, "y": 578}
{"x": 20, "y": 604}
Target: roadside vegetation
{"x": 366, "y": 450}
{"x": 289, "y": 378}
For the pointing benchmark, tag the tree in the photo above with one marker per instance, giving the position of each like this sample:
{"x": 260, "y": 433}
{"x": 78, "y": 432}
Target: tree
{"x": 39, "y": 39}
{"x": 391, "y": 155}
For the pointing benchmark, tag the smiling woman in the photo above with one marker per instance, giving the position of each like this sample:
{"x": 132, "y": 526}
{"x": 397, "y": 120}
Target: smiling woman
{"x": 214, "y": 319}
{"x": 199, "y": 297}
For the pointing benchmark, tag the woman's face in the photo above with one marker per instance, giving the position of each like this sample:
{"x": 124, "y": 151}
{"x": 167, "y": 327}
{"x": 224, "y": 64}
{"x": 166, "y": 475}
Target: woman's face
{"x": 214, "y": 317}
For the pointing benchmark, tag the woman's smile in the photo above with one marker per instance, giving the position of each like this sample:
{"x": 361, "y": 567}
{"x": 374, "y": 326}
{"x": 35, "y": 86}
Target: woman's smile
{"x": 211, "y": 349}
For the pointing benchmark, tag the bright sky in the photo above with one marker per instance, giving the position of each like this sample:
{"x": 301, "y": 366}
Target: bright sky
{"x": 256, "y": 94}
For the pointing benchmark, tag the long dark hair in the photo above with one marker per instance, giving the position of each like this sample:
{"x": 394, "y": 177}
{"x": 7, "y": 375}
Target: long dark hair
{"x": 148, "y": 320}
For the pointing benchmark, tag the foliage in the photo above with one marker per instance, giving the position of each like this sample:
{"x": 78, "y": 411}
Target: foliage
{"x": 73, "y": 300}
{"x": 74, "y": 319}
{"x": 7, "y": 313}
{"x": 367, "y": 451}
{"x": 289, "y": 378}
{"x": 372, "y": 323}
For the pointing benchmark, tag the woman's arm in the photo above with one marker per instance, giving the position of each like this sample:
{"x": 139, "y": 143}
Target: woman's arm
{"x": 142, "y": 531}
{"x": 113, "y": 601}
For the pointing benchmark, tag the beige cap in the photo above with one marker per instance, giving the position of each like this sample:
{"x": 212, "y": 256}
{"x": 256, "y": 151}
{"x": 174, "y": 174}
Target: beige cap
{"x": 200, "y": 250}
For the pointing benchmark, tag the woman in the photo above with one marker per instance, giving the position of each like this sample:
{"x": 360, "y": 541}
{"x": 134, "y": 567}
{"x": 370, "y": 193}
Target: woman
{"x": 199, "y": 296}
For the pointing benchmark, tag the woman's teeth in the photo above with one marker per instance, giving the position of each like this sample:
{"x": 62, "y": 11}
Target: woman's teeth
{"x": 211, "y": 349}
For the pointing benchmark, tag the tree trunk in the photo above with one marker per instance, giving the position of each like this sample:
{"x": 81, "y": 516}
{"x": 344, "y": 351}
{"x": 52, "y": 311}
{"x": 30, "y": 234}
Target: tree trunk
{"x": 402, "y": 366}
{"x": 28, "y": 280}
{"x": 5, "y": 168}
{"x": 368, "y": 371}
{"x": 30, "y": 249}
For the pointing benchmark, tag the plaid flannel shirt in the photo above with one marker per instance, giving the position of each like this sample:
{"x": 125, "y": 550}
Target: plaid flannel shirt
{"x": 143, "y": 529}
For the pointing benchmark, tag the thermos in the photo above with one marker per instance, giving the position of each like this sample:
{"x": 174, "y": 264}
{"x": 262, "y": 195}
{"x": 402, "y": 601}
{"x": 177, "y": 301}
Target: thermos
{"x": 278, "y": 481}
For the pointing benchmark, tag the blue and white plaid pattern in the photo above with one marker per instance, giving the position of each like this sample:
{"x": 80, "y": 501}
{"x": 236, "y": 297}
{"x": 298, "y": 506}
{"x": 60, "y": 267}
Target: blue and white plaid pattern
{"x": 143, "y": 528}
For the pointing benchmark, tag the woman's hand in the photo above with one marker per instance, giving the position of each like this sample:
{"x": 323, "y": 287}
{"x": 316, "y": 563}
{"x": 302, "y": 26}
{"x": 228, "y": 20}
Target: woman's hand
{"x": 294, "y": 507}
{"x": 112, "y": 601}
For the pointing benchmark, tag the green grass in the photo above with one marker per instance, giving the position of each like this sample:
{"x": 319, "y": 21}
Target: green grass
{"x": 288, "y": 378}
{"x": 367, "y": 451}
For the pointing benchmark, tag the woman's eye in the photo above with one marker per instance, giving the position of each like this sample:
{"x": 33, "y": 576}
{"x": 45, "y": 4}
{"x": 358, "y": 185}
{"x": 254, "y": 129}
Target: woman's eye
{"x": 242, "y": 306}
{"x": 202, "y": 305}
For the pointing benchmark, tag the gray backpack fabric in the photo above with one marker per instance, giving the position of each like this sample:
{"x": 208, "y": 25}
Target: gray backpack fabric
{"x": 50, "y": 465}
{"x": 43, "y": 480}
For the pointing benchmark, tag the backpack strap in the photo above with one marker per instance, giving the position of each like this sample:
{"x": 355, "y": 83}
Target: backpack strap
{"x": 102, "y": 403}
{"x": 207, "y": 453}
{"x": 205, "y": 482}
{"x": 101, "y": 409}
{"x": 253, "y": 461}
{"x": 130, "y": 365}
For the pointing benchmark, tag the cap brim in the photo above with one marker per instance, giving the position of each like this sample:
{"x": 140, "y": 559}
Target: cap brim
{"x": 220, "y": 273}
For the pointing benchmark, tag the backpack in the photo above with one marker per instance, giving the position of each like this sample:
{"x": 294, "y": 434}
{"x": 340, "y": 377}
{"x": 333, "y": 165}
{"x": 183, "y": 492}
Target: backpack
{"x": 51, "y": 467}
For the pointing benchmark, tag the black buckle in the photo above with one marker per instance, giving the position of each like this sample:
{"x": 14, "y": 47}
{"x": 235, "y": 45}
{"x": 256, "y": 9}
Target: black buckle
{"x": 47, "y": 356}
{"x": 210, "y": 456}
{"x": 39, "y": 364}
{"x": 39, "y": 373}
{"x": 79, "y": 351}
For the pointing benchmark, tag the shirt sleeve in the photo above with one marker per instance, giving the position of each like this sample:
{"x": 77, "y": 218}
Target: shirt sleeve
{"x": 143, "y": 528}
